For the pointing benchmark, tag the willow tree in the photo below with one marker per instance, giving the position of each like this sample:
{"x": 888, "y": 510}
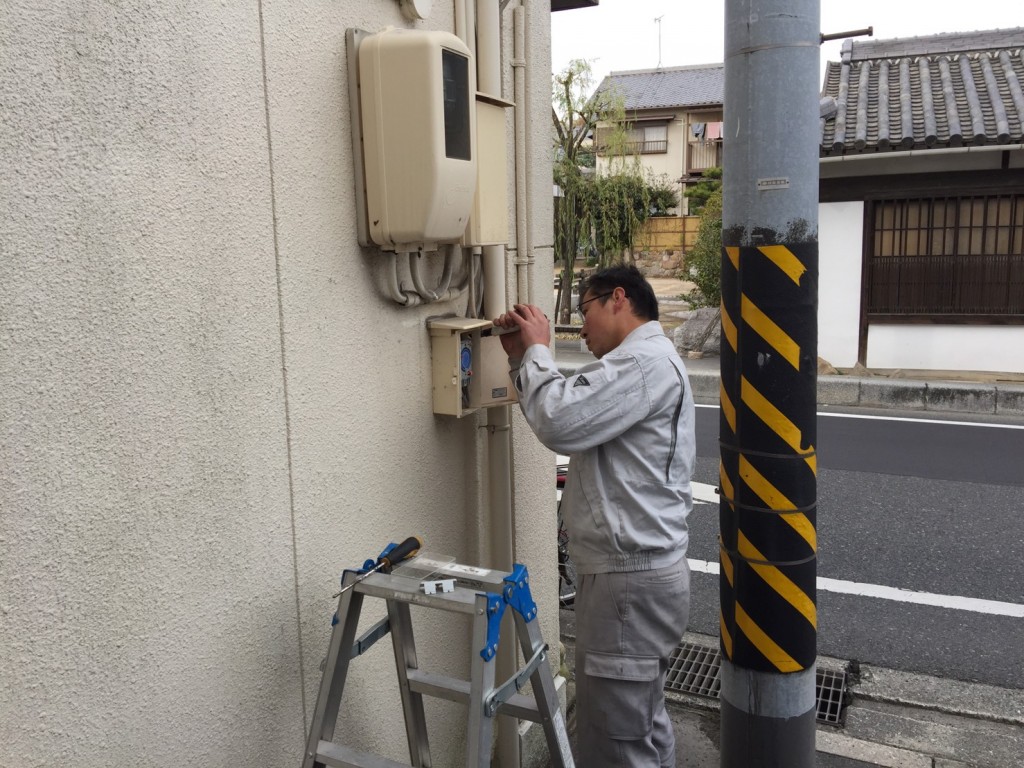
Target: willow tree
{"x": 575, "y": 112}
{"x": 595, "y": 213}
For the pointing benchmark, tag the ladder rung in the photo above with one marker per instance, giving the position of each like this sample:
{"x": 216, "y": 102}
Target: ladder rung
{"x": 337, "y": 756}
{"x": 453, "y": 689}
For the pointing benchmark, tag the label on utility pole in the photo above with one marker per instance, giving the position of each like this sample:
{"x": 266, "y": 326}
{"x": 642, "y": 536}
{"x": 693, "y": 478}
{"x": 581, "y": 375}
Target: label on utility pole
{"x": 782, "y": 182}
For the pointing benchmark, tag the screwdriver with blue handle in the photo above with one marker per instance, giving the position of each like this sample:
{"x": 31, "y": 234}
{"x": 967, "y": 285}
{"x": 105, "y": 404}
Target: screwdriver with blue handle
{"x": 388, "y": 559}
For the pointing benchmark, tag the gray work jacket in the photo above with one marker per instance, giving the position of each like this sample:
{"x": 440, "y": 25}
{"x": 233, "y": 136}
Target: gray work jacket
{"x": 627, "y": 423}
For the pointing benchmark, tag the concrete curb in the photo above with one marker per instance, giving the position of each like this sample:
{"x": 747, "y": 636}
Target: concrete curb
{"x": 955, "y": 697}
{"x": 879, "y": 392}
{"x": 894, "y": 719}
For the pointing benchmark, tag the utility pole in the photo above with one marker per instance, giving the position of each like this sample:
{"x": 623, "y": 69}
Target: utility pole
{"x": 769, "y": 384}
{"x": 657, "y": 20}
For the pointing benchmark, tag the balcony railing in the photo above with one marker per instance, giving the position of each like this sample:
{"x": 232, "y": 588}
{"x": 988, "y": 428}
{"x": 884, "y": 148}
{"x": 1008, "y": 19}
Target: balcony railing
{"x": 704, "y": 154}
{"x": 636, "y": 148}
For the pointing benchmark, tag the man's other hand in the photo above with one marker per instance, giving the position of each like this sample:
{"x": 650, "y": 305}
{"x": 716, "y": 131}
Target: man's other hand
{"x": 533, "y": 326}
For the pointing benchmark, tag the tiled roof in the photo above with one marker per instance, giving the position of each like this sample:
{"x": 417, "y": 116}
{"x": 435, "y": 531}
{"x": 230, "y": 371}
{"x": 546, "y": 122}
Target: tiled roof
{"x": 948, "y": 90}
{"x": 694, "y": 86}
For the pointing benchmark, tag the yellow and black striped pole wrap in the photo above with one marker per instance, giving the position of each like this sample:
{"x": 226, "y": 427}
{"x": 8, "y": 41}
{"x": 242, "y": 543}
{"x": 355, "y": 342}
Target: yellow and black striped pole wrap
{"x": 768, "y": 467}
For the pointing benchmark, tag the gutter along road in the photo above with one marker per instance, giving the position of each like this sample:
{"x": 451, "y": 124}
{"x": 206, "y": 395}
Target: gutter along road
{"x": 920, "y": 541}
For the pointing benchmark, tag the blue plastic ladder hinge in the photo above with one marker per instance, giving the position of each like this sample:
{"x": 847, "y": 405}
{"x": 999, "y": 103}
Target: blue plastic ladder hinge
{"x": 495, "y": 610}
{"x": 517, "y": 593}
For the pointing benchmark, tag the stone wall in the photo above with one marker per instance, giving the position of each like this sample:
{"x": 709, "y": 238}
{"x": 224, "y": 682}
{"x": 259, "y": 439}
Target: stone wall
{"x": 659, "y": 263}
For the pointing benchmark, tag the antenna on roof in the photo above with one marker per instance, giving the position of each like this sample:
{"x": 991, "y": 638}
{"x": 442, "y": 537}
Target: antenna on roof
{"x": 657, "y": 20}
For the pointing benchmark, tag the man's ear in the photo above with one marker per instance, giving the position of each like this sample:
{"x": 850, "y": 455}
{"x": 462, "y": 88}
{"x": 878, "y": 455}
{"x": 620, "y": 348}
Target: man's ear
{"x": 620, "y": 298}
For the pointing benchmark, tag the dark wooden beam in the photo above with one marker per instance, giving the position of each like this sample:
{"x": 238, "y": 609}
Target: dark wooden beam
{"x": 942, "y": 183}
{"x": 568, "y": 5}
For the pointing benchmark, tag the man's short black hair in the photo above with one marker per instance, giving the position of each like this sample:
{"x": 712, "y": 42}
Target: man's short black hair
{"x": 627, "y": 277}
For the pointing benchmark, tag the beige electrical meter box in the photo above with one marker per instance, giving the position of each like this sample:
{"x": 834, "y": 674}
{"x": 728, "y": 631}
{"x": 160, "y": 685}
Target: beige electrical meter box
{"x": 470, "y": 367}
{"x": 417, "y": 93}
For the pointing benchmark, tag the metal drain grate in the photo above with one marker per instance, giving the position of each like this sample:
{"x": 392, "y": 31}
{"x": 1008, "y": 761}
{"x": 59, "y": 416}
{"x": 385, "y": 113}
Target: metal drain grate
{"x": 695, "y": 669}
{"x": 831, "y": 686}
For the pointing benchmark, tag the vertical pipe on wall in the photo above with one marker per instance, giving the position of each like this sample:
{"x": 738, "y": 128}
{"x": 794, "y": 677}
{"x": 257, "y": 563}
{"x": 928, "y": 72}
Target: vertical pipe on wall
{"x": 487, "y": 48}
{"x": 461, "y": 31}
{"x": 523, "y": 255}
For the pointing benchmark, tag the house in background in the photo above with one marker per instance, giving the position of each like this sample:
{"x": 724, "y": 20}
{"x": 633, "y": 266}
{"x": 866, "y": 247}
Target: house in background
{"x": 921, "y": 226}
{"x": 675, "y": 121}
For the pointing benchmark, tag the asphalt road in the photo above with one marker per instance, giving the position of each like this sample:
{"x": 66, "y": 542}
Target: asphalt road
{"x": 931, "y": 506}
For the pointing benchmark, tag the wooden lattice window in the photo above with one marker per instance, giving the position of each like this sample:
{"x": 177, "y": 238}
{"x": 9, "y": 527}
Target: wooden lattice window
{"x": 947, "y": 259}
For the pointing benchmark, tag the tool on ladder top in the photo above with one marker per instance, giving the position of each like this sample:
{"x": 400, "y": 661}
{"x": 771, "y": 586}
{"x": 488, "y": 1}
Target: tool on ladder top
{"x": 479, "y": 593}
{"x": 392, "y": 555}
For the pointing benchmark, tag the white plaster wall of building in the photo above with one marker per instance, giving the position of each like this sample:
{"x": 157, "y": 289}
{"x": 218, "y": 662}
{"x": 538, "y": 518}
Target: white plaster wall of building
{"x": 209, "y": 405}
{"x": 661, "y": 167}
{"x": 946, "y": 348}
{"x": 664, "y": 166}
{"x": 925, "y": 347}
{"x": 840, "y": 246}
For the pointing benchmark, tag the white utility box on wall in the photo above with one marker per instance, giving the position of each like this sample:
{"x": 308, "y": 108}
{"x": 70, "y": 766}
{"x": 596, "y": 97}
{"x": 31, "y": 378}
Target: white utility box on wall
{"x": 489, "y": 223}
{"x": 470, "y": 367}
{"x": 417, "y": 108}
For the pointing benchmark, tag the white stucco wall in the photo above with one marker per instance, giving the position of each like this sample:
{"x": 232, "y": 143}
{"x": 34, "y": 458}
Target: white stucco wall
{"x": 840, "y": 263}
{"x": 947, "y": 347}
{"x": 208, "y": 408}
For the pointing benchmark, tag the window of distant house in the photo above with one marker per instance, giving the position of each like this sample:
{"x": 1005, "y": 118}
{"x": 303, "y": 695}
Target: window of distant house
{"x": 649, "y": 139}
{"x": 638, "y": 139}
{"x": 947, "y": 259}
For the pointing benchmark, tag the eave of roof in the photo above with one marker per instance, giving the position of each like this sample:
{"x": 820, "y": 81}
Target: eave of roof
{"x": 949, "y": 90}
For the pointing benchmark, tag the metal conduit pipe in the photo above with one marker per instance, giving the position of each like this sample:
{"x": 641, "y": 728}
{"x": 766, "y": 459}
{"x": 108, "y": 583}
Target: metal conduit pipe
{"x": 431, "y": 295}
{"x": 460, "y": 20}
{"x": 403, "y": 297}
{"x": 486, "y": 46}
{"x": 523, "y": 254}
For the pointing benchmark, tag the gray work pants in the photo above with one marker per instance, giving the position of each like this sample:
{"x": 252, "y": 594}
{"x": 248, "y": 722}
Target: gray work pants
{"x": 627, "y": 625}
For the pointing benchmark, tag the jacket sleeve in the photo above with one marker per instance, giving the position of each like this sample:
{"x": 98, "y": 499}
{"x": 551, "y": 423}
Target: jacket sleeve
{"x": 596, "y": 404}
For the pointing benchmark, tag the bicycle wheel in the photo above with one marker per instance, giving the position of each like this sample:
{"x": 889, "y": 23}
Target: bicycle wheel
{"x": 566, "y": 567}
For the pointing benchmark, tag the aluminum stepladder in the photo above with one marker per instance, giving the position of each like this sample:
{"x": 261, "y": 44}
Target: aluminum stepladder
{"x": 478, "y": 593}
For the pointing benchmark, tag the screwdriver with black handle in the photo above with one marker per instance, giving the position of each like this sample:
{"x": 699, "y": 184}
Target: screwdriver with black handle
{"x": 388, "y": 560}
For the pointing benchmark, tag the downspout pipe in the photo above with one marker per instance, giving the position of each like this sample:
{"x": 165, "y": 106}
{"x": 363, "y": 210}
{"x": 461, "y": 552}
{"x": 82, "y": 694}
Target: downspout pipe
{"x": 524, "y": 255}
{"x": 487, "y": 47}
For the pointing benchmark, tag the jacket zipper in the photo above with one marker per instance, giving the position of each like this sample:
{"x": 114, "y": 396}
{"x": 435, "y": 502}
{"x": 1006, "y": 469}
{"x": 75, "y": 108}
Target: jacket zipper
{"x": 675, "y": 422}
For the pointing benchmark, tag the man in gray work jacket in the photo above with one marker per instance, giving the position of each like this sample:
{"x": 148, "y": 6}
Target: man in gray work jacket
{"x": 627, "y": 423}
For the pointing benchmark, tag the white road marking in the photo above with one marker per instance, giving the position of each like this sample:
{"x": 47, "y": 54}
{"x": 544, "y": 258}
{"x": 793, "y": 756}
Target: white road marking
{"x": 702, "y": 492}
{"x": 871, "y": 417}
{"x": 952, "y": 602}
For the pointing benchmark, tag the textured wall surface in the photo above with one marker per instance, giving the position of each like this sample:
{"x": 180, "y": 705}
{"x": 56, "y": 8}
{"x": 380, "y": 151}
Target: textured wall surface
{"x": 946, "y": 347}
{"x": 840, "y": 258}
{"x": 208, "y": 407}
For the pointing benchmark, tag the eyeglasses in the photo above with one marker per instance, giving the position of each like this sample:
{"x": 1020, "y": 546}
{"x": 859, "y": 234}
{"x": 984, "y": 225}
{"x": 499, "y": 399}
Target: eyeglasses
{"x": 579, "y": 307}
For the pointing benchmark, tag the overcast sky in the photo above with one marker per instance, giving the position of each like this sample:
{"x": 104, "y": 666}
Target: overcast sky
{"x": 622, "y": 34}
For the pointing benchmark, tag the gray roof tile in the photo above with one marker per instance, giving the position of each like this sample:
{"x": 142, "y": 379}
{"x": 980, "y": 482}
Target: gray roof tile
{"x": 947, "y": 90}
{"x": 693, "y": 86}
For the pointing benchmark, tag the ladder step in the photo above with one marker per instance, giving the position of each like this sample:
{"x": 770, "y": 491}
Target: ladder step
{"x": 454, "y": 689}
{"x": 338, "y": 756}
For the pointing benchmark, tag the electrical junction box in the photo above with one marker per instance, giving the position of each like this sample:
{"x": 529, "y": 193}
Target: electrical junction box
{"x": 416, "y": 114}
{"x": 469, "y": 366}
{"x": 489, "y": 223}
